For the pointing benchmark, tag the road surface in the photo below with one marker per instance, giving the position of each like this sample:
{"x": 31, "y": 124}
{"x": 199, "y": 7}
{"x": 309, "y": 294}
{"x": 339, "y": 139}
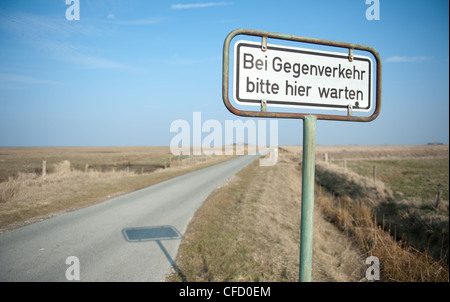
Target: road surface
{"x": 129, "y": 238}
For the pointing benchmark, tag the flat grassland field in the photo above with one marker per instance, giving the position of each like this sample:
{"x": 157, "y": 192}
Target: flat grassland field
{"x": 29, "y": 160}
{"x": 77, "y": 177}
{"x": 410, "y": 171}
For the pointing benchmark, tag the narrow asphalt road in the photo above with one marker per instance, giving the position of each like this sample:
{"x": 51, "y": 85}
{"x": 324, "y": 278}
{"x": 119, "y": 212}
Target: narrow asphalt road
{"x": 129, "y": 238}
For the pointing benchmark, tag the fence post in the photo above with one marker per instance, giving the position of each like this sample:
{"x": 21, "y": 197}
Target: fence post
{"x": 44, "y": 168}
{"x": 438, "y": 199}
{"x": 374, "y": 173}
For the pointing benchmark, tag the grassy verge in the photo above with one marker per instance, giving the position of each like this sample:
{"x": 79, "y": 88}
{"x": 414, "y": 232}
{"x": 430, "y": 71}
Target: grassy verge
{"x": 233, "y": 237}
{"x": 249, "y": 230}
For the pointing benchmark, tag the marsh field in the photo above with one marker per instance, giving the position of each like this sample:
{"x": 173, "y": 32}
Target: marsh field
{"x": 76, "y": 177}
{"x": 249, "y": 227}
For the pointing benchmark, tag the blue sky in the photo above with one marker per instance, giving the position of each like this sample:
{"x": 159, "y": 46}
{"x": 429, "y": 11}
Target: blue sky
{"x": 127, "y": 69}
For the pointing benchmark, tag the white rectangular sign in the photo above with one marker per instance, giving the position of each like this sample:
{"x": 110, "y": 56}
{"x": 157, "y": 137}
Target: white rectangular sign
{"x": 296, "y": 77}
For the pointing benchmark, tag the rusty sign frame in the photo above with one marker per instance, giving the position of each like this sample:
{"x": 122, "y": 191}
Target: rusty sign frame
{"x": 264, "y": 35}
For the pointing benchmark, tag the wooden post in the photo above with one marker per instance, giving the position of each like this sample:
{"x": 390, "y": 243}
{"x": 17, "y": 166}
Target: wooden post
{"x": 325, "y": 157}
{"x": 374, "y": 173}
{"x": 439, "y": 194}
{"x": 44, "y": 168}
{"x": 86, "y": 168}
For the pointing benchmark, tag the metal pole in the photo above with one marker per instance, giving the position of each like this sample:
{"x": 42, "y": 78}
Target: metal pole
{"x": 306, "y": 236}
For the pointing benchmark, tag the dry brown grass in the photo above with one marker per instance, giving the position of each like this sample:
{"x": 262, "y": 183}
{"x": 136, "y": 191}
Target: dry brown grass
{"x": 398, "y": 261}
{"x": 233, "y": 237}
{"x": 29, "y": 160}
{"x": 348, "y": 183}
{"x": 425, "y": 227}
{"x": 409, "y": 238}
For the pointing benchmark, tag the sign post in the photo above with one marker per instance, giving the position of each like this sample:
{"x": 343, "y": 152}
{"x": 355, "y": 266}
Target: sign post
{"x": 268, "y": 75}
{"x": 308, "y": 176}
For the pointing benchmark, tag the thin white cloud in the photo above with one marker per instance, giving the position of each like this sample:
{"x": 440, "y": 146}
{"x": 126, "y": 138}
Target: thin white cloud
{"x": 23, "y": 22}
{"x": 111, "y": 16}
{"x": 50, "y": 35}
{"x": 97, "y": 62}
{"x": 22, "y": 79}
{"x": 176, "y": 59}
{"x": 148, "y": 21}
{"x": 396, "y": 59}
{"x": 33, "y": 26}
{"x": 199, "y": 5}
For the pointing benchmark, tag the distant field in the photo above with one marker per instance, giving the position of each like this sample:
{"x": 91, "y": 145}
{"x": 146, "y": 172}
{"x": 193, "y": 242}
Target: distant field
{"x": 29, "y": 160}
{"x": 412, "y": 171}
{"x": 77, "y": 177}
{"x": 377, "y": 152}
{"x": 411, "y": 177}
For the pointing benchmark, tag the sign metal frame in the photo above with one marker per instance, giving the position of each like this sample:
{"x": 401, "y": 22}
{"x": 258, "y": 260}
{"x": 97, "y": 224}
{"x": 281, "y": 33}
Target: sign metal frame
{"x": 295, "y": 115}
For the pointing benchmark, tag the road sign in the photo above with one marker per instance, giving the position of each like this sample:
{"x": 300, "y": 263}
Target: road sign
{"x": 274, "y": 75}
{"x": 285, "y": 76}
